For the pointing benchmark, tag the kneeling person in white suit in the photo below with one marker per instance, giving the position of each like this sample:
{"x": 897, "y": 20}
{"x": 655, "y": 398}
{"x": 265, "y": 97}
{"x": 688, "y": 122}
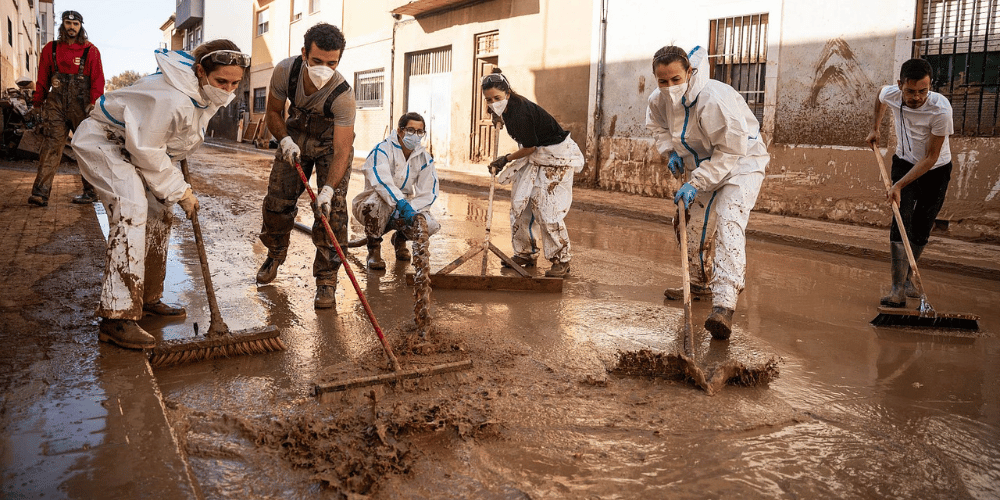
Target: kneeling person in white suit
{"x": 400, "y": 182}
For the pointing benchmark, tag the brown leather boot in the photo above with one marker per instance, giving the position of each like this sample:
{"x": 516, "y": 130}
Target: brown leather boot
{"x": 125, "y": 333}
{"x": 268, "y": 270}
{"x": 159, "y": 308}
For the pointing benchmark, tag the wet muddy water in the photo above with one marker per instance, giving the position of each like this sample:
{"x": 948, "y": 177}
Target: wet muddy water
{"x": 857, "y": 412}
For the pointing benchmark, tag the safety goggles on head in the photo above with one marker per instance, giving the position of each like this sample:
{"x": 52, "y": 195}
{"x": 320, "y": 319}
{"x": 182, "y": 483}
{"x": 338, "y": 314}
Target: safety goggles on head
{"x": 228, "y": 58}
{"x": 72, "y": 15}
{"x": 416, "y": 132}
{"x": 495, "y": 78}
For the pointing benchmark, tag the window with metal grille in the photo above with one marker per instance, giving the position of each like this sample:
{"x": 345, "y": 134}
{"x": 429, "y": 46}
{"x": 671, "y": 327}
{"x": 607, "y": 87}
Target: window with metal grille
{"x": 961, "y": 40}
{"x": 737, "y": 54}
{"x": 368, "y": 87}
{"x": 262, "y": 22}
{"x": 259, "y": 99}
{"x": 429, "y": 62}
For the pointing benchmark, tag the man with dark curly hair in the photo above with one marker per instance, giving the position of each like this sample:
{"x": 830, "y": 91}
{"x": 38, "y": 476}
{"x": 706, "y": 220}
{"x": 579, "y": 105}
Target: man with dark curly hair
{"x": 70, "y": 79}
{"x": 318, "y": 133}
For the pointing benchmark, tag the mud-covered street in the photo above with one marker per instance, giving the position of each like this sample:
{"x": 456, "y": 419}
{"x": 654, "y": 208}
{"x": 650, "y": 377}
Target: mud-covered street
{"x": 857, "y": 411}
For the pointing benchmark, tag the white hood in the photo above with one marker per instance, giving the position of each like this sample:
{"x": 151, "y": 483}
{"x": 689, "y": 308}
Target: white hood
{"x": 176, "y": 67}
{"x": 698, "y": 57}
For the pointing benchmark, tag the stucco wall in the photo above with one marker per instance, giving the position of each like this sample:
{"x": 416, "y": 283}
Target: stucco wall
{"x": 825, "y": 65}
{"x": 544, "y": 52}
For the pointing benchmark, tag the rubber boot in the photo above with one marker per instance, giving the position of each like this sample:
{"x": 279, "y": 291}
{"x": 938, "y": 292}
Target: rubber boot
{"x": 911, "y": 291}
{"x": 698, "y": 292}
{"x": 399, "y": 243}
{"x": 268, "y": 270}
{"x": 521, "y": 261}
{"x": 125, "y": 333}
{"x": 897, "y": 297}
{"x": 720, "y": 323}
{"x": 326, "y": 297}
{"x": 558, "y": 270}
{"x": 159, "y": 308}
{"x": 375, "y": 254}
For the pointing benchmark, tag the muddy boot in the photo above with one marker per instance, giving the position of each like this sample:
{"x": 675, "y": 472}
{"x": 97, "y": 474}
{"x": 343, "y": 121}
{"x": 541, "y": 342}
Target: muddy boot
{"x": 38, "y": 201}
{"x": 698, "y": 292}
{"x": 399, "y": 243}
{"x": 720, "y": 323}
{"x": 521, "y": 261}
{"x": 897, "y": 297}
{"x": 911, "y": 291}
{"x": 375, "y": 254}
{"x": 158, "y": 308}
{"x": 125, "y": 333}
{"x": 558, "y": 270}
{"x": 326, "y": 297}
{"x": 268, "y": 270}
{"x": 86, "y": 198}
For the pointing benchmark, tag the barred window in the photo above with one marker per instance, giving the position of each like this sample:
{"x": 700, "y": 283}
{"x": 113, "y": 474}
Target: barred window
{"x": 259, "y": 99}
{"x": 961, "y": 40}
{"x": 737, "y": 53}
{"x": 368, "y": 87}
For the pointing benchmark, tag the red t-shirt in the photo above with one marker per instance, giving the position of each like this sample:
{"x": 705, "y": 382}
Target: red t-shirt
{"x": 68, "y": 59}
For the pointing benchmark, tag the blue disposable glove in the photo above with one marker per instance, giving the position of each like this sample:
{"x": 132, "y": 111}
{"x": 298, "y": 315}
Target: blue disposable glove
{"x": 405, "y": 211}
{"x": 675, "y": 164}
{"x": 686, "y": 193}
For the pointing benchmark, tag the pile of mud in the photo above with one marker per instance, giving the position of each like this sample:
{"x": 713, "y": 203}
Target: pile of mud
{"x": 646, "y": 363}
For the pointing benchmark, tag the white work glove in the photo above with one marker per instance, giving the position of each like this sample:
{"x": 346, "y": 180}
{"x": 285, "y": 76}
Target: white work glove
{"x": 323, "y": 200}
{"x": 288, "y": 150}
{"x": 189, "y": 203}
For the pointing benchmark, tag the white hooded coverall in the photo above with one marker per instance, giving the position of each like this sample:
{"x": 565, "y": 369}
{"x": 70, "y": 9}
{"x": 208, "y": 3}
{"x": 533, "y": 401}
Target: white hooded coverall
{"x": 713, "y": 130}
{"x": 127, "y": 148}
{"x": 389, "y": 177}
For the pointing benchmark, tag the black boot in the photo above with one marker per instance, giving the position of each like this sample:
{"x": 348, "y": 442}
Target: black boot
{"x": 897, "y": 297}
{"x": 375, "y": 254}
{"x": 268, "y": 270}
{"x": 911, "y": 291}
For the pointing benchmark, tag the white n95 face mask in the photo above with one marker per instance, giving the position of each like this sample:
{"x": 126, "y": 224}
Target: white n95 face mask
{"x": 320, "y": 75}
{"x": 217, "y": 96}
{"x": 677, "y": 92}
{"x": 499, "y": 106}
{"x": 411, "y": 141}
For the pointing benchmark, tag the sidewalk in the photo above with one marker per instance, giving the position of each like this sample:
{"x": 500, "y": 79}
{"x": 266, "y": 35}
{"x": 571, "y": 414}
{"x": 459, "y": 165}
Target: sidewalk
{"x": 78, "y": 418}
{"x": 942, "y": 253}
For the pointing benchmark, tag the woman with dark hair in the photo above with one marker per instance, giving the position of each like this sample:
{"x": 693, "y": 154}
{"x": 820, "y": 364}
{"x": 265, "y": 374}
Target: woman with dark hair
{"x": 127, "y": 149}
{"x": 705, "y": 129}
{"x": 541, "y": 170}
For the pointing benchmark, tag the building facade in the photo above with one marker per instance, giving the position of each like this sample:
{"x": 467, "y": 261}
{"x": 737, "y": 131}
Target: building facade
{"x": 19, "y": 40}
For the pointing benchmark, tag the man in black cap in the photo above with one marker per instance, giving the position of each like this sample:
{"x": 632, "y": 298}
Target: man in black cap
{"x": 70, "y": 80}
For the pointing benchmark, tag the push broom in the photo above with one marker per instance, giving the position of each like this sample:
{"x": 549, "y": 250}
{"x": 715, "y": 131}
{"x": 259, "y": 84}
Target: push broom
{"x": 398, "y": 373}
{"x": 219, "y": 341}
{"x": 925, "y": 316}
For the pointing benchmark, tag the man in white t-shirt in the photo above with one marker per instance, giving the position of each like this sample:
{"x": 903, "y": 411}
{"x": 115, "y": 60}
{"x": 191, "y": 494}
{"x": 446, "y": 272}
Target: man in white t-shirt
{"x": 921, "y": 167}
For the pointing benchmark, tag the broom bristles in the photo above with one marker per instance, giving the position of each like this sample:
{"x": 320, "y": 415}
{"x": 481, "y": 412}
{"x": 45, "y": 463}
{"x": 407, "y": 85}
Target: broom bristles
{"x": 228, "y": 345}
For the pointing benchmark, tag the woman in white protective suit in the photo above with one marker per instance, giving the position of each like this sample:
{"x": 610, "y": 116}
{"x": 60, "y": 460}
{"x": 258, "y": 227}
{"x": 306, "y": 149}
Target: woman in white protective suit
{"x": 705, "y": 130}
{"x": 128, "y": 149}
{"x": 542, "y": 173}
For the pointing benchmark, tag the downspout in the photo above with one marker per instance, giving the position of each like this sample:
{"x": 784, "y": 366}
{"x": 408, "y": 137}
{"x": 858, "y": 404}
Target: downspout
{"x": 599, "y": 105}
{"x": 392, "y": 71}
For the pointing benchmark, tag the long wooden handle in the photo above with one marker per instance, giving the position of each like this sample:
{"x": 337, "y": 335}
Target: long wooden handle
{"x": 685, "y": 279}
{"x": 350, "y": 273}
{"x": 917, "y": 282}
{"x": 489, "y": 221}
{"x": 217, "y": 325}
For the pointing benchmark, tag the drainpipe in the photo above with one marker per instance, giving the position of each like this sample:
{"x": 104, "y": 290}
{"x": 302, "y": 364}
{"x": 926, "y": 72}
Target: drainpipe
{"x": 392, "y": 69}
{"x": 599, "y": 106}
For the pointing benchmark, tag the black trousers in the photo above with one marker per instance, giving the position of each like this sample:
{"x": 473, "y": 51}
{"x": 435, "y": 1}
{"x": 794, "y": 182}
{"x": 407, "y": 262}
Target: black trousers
{"x": 920, "y": 201}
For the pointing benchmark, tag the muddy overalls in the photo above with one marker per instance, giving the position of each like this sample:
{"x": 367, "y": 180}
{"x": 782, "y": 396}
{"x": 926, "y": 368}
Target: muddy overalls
{"x": 313, "y": 133}
{"x": 64, "y": 108}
